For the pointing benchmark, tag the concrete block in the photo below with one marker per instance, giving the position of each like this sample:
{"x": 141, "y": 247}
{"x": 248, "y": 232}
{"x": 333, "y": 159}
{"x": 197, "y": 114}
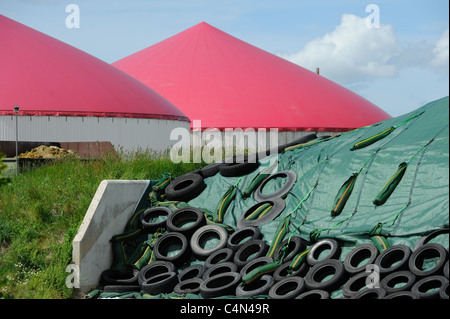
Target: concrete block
{"x": 109, "y": 211}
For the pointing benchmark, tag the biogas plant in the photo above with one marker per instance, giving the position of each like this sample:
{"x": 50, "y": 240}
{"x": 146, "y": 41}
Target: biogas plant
{"x": 344, "y": 201}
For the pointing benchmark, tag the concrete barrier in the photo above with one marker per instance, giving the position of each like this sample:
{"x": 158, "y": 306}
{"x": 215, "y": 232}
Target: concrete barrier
{"x": 109, "y": 211}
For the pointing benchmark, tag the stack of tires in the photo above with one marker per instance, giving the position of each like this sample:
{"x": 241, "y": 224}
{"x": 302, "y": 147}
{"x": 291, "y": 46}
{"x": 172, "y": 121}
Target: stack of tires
{"x": 397, "y": 272}
{"x": 197, "y": 256}
{"x": 183, "y": 265}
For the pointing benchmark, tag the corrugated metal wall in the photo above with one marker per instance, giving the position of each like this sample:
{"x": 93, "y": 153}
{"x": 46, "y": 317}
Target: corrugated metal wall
{"x": 211, "y": 146}
{"x": 262, "y": 140}
{"x": 127, "y": 133}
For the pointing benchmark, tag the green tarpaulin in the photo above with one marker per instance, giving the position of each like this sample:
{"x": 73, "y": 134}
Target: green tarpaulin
{"x": 422, "y": 196}
{"x": 414, "y": 201}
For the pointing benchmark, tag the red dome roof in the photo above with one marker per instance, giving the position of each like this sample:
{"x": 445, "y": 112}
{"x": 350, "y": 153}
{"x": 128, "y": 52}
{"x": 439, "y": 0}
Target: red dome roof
{"x": 45, "y": 76}
{"x": 224, "y": 82}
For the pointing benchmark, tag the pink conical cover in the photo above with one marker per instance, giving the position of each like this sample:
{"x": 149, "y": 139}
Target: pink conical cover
{"x": 227, "y": 83}
{"x": 45, "y": 76}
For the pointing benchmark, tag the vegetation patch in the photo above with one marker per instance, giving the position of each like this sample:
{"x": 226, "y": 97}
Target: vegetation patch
{"x": 42, "y": 208}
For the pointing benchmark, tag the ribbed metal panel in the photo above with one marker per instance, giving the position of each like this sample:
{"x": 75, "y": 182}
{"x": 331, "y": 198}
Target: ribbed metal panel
{"x": 127, "y": 133}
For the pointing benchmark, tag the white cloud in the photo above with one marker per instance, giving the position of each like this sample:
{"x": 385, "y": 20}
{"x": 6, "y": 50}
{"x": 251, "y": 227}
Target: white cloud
{"x": 441, "y": 52}
{"x": 352, "y": 52}
{"x": 372, "y": 62}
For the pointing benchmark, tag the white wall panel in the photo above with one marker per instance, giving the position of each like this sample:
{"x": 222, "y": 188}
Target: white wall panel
{"x": 128, "y": 133}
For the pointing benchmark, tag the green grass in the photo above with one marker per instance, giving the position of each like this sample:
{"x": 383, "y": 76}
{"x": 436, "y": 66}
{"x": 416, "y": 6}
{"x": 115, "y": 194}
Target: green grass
{"x": 42, "y": 208}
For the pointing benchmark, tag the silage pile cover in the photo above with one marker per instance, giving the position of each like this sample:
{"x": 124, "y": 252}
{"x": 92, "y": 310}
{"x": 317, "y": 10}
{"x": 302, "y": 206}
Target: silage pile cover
{"x": 417, "y": 143}
{"x": 418, "y": 205}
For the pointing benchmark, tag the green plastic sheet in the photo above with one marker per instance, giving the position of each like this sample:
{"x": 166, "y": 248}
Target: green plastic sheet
{"x": 417, "y": 204}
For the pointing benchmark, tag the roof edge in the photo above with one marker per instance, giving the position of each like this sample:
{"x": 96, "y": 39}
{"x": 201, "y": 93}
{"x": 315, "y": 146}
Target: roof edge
{"x": 98, "y": 114}
{"x": 284, "y": 129}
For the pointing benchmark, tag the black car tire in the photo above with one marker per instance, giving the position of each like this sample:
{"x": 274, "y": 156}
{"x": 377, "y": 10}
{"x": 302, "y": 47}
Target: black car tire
{"x": 152, "y": 213}
{"x": 315, "y": 276}
{"x": 192, "y": 271}
{"x": 291, "y": 178}
{"x": 390, "y": 282}
{"x": 177, "y": 220}
{"x": 300, "y": 140}
{"x": 365, "y": 252}
{"x": 355, "y": 284}
{"x": 111, "y": 277}
{"x": 162, "y": 283}
{"x": 238, "y": 168}
{"x": 219, "y": 269}
{"x": 210, "y": 170}
{"x": 288, "y": 288}
{"x": 278, "y": 205}
{"x": 185, "y": 187}
{"x": 325, "y": 244}
{"x": 283, "y": 271}
{"x": 221, "y": 285}
{"x": 240, "y": 236}
{"x": 395, "y": 258}
{"x": 425, "y": 239}
{"x": 429, "y": 287}
{"x": 201, "y": 234}
{"x": 295, "y": 246}
{"x": 254, "y": 249}
{"x": 424, "y": 252}
{"x": 259, "y": 287}
{"x": 188, "y": 286}
{"x": 219, "y": 256}
{"x": 165, "y": 242}
{"x": 255, "y": 263}
{"x": 155, "y": 268}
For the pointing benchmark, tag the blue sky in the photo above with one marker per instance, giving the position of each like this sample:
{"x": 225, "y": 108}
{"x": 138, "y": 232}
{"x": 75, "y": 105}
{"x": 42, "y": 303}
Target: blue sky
{"x": 399, "y": 66}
